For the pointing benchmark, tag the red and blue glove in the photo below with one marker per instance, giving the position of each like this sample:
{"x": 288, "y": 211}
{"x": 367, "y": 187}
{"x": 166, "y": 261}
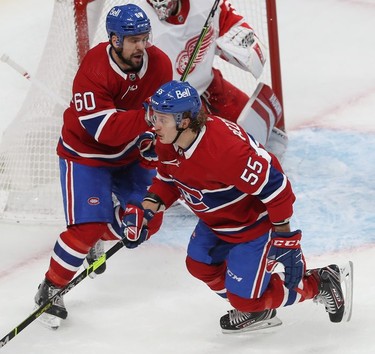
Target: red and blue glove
{"x": 134, "y": 227}
{"x": 286, "y": 249}
{"x": 146, "y": 146}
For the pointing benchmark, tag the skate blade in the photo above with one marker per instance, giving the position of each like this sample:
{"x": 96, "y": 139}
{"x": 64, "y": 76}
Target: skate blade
{"x": 49, "y": 321}
{"x": 272, "y": 322}
{"x": 346, "y": 277}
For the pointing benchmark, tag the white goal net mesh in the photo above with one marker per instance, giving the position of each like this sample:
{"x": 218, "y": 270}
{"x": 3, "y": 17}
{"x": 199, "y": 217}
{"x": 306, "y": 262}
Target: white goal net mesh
{"x": 29, "y": 174}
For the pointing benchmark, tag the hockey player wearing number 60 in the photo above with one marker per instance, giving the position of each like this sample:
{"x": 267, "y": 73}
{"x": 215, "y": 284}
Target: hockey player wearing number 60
{"x": 176, "y": 28}
{"x": 244, "y": 203}
{"x": 105, "y": 146}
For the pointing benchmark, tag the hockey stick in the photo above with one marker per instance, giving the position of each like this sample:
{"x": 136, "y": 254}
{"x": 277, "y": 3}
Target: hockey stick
{"x": 45, "y": 306}
{"x": 6, "y": 59}
{"x": 204, "y": 31}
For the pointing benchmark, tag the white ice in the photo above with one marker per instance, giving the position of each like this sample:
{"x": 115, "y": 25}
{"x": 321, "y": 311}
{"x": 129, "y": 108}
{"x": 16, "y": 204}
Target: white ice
{"x": 147, "y": 302}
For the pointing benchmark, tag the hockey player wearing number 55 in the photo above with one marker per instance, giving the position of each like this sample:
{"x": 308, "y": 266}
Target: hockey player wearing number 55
{"x": 176, "y": 27}
{"x": 105, "y": 145}
{"x": 244, "y": 203}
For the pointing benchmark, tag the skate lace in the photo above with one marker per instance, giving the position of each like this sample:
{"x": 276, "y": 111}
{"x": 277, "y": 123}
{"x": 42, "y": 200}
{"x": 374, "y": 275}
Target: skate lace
{"x": 325, "y": 298}
{"x": 58, "y": 300}
{"x": 236, "y": 316}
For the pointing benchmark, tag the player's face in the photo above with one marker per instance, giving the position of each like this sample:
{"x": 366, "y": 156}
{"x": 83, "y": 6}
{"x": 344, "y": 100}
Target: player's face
{"x": 165, "y": 127}
{"x": 133, "y": 50}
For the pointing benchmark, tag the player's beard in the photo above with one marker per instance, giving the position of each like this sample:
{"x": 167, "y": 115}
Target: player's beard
{"x": 128, "y": 61}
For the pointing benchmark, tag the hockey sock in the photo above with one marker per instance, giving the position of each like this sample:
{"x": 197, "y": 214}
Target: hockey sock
{"x": 276, "y": 295}
{"x": 211, "y": 274}
{"x": 70, "y": 251}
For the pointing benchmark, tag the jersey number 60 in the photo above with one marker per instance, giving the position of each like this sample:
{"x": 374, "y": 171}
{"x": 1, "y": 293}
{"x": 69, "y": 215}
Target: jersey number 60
{"x": 84, "y": 101}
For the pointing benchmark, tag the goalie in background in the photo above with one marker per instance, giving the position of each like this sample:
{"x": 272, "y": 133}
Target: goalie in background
{"x": 244, "y": 202}
{"x": 176, "y": 27}
{"x": 105, "y": 146}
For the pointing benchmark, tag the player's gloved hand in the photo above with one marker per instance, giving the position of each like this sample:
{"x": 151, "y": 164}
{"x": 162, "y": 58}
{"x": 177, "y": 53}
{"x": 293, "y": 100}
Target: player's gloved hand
{"x": 286, "y": 249}
{"x": 242, "y": 48}
{"x": 135, "y": 230}
{"x": 146, "y": 146}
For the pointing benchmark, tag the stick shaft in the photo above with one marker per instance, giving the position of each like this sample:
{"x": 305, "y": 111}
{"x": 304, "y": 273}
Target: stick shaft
{"x": 56, "y": 98}
{"x": 204, "y": 31}
{"x": 45, "y": 306}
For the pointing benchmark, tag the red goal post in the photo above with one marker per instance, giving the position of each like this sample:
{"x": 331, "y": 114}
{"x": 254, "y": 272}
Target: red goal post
{"x": 29, "y": 174}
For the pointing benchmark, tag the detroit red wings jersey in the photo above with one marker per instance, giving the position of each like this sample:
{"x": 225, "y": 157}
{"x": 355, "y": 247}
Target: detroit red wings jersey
{"x": 105, "y": 116}
{"x": 186, "y": 28}
{"x": 228, "y": 180}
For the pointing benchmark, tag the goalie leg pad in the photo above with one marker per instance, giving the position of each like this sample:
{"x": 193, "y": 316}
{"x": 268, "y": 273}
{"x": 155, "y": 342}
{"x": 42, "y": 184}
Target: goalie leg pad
{"x": 277, "y": 143}
{"x": 261, "y": 113}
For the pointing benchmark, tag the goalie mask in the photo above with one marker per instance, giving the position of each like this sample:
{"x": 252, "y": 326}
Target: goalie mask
{"x": 164, "y": 8}
{"x": 127, "y": 20}
{"x": 176, "y": 98}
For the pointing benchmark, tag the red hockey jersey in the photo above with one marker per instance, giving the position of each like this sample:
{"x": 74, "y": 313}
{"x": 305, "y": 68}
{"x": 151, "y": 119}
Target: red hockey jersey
{"x": 228, "y": 180}
{"x": 105, "y": 116}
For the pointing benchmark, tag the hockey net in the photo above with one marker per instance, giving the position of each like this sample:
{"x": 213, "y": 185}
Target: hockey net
{"x": 29, "y": 173}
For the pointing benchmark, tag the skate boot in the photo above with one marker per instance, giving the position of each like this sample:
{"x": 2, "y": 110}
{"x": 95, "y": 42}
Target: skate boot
{"x": 236, "y": 321}
{"x": 330, "y": 291}
{"x": 52, "y": 317}
{"x": 94, "y": 254}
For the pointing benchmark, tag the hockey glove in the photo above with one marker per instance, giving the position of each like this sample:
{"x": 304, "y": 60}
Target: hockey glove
{"x": 240, "y": 47}
{"x": 146, "y": 146}
{"x": 134, "y": 227}
{"x": 286, "y": 249}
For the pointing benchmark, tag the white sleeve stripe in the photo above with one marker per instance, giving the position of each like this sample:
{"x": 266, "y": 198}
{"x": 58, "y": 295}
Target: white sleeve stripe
{"x": 276, "y": 192}
{"x": 101, "y": 126}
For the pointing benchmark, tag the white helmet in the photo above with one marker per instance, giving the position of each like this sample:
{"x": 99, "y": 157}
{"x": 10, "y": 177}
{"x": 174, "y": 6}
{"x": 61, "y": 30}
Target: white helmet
{"x": 163, "y": 8}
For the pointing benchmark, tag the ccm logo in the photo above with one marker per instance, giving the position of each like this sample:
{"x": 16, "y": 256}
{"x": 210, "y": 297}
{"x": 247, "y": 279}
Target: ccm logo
{"x": 286, "y": 243}
{"x": 93, "y": 201}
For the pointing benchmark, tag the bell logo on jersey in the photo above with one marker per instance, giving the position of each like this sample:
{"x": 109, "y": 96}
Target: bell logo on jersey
{"x": 183, "y": 94}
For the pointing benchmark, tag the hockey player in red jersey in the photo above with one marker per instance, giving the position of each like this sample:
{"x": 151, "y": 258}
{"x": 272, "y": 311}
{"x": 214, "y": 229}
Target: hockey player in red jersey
{"x": 244, "y": 202}
{"x": 105, "y": 145}
{"x": 176, "y": 27}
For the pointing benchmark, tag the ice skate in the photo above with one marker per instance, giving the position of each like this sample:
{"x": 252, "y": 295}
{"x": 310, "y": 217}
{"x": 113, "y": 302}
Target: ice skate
{"x": 52, "y": 317}
{"x": 237, "y": 322}
{"x": 94, "y": 254}
{"x": 331, "y": 295}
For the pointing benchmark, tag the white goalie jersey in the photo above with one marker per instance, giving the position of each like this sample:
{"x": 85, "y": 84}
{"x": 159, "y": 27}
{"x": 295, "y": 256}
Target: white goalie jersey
{"x": 228, "y": 36}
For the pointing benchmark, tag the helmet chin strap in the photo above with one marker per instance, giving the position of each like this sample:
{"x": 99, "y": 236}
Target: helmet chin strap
{"x": 179, "y": 132}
